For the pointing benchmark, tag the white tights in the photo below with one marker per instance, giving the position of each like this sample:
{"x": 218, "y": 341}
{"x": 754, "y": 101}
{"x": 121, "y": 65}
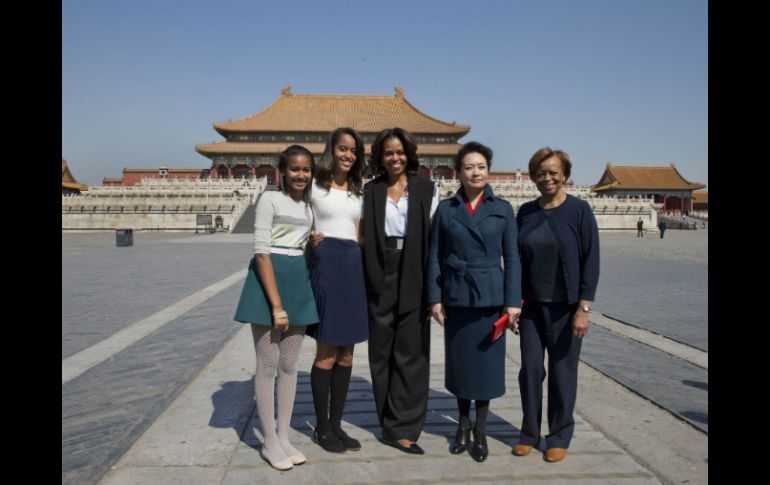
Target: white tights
{"x": 277, "y": 353}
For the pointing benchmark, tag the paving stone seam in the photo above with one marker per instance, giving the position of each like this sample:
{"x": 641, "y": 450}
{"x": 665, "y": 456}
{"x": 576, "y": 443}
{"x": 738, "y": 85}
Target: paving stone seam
{"x": 241, "y": 442}
{"x": 681, "y": 342}
{"x": 646, "y": 398}
{"x": 75, "y": 365}
{"x": 667, "y": 345}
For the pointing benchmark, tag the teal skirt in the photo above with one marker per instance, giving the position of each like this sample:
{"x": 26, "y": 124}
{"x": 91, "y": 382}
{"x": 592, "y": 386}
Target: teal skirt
{"x": 474, "y": 366}
{"x": 293, "y": 283}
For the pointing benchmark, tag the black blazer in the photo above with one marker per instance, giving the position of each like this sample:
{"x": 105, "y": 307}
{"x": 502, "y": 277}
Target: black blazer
{"x": 415, "y": 253}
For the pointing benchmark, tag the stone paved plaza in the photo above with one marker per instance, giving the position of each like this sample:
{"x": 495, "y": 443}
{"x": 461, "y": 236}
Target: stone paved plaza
{"x": 176, "y": 405}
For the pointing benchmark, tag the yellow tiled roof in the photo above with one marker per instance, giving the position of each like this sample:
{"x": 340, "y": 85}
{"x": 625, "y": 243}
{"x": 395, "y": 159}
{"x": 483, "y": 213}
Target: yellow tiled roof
{"x": 618, "y": 177}
{"x": 700, "y": 197}
{"x": 326, "y": 112}
{"x": 228, "y": 147}
{"x": 68, "y": 180}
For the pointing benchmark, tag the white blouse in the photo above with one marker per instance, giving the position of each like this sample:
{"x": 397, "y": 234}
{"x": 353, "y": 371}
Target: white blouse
{"x": 395, "y": 213}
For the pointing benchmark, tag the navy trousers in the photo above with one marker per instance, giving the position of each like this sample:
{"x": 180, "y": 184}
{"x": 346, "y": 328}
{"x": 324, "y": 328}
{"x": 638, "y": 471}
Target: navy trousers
{"x": 548, "y": 326}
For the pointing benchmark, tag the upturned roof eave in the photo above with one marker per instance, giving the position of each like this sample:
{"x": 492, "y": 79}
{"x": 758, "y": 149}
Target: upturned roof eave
{"x": 223, "y": 128}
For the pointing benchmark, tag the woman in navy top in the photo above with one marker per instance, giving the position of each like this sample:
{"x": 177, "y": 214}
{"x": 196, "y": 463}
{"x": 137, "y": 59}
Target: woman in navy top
{"x": 559, "y": 249}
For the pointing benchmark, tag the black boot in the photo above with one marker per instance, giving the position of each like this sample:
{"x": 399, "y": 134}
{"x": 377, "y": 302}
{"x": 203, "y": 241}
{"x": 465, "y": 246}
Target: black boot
{"x": 479, "y": 450}
{"x": 462, "y": 438}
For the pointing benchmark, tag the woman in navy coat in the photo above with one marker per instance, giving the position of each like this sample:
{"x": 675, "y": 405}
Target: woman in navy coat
{"x": 474, "y": 274}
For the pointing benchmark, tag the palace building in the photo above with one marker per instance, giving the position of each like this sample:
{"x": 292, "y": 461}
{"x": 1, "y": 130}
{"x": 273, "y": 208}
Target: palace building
{"x": 68, "y": 183}
{"x": 134, "y": 176}
{"x": 664, "y": 184}
{"x": 252, "y": 144}
{"x": 700, "y": 201}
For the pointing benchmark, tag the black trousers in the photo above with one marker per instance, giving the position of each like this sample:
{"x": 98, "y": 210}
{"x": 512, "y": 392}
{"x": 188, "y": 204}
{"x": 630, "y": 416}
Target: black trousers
{"x": 399, "y": 347}
{"x": 548, "y": 326}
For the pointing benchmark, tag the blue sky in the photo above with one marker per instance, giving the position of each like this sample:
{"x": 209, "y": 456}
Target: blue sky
{"x": 623, "y": 81}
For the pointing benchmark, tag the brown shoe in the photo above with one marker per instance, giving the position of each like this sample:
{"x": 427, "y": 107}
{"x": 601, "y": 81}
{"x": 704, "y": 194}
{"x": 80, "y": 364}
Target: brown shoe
{"x": 555, "y": 454}
{"x": 521, "y": 450}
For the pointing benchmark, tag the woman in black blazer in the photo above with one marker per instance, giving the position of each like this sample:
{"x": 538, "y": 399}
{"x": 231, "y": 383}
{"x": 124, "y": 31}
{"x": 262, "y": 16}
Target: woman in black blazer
{"x": 398, "y": 206}
{"x": 468, "y": 288}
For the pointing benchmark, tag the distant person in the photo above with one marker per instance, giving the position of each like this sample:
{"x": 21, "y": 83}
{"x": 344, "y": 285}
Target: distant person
{"x": 474, "y": 277}
{"x": 559, "y": 248}
{"x": 337, "y": 276}
{"x": 640, "y": 228}
{"x": 277, "y": 300}
{"x": 662, "y": 227}
{"x": 398, "y": 206}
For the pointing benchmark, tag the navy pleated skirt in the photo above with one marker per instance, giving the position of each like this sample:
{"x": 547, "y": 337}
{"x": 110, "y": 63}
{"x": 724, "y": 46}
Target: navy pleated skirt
{"x": 474, "y": 366}
{"x": 337, "y": 278}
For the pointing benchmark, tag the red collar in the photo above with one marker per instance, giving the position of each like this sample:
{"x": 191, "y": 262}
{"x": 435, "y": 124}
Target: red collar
{"x": 472, "y": 210}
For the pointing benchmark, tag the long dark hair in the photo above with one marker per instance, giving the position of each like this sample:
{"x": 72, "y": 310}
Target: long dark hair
{"x": 410, "y": 146}
{"x": 325, "y": 171}
{"x": 283, "y": 162}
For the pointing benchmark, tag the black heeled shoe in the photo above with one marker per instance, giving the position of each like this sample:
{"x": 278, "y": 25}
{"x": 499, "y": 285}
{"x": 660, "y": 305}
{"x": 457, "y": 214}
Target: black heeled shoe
{"x": 462, "y": 438}
{"x": 479, "y": 450}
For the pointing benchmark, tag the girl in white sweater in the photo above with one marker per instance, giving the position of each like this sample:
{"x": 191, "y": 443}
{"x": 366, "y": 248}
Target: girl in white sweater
{"x": 277, "y": 300}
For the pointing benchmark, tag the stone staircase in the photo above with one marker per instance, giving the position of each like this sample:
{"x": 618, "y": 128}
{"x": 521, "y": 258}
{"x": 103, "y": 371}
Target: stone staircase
{"x": 245, "y": 224}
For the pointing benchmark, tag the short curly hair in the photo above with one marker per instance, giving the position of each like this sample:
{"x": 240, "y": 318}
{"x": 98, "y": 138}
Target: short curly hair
{"x": 544, "y": 154}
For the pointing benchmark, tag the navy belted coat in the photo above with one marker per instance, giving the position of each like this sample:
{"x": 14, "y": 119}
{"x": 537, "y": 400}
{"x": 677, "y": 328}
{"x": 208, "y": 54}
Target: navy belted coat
{"x": 474, "y": 260}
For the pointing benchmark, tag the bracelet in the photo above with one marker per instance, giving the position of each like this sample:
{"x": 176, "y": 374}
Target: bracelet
{"x": 281, "y": 314}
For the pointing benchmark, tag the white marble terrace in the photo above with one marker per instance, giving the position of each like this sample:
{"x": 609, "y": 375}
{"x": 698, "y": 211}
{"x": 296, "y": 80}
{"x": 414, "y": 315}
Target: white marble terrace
{"x": 160, "y": 204}
{"x": 172, "y": 204}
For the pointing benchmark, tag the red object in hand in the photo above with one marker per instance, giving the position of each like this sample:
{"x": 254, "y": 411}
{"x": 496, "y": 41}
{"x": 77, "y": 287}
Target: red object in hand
{"x": 499, "y": 327}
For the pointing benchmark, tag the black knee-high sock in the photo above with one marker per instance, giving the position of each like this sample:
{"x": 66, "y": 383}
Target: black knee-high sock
{"x": 482, "y": 409}
{"x": 464, "y": 406}
{"x": 339, "y": 391}
{"x": 319, "y": 383}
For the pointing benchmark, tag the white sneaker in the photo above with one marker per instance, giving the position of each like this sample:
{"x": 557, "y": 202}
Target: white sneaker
{"x": 278, "y": 465}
